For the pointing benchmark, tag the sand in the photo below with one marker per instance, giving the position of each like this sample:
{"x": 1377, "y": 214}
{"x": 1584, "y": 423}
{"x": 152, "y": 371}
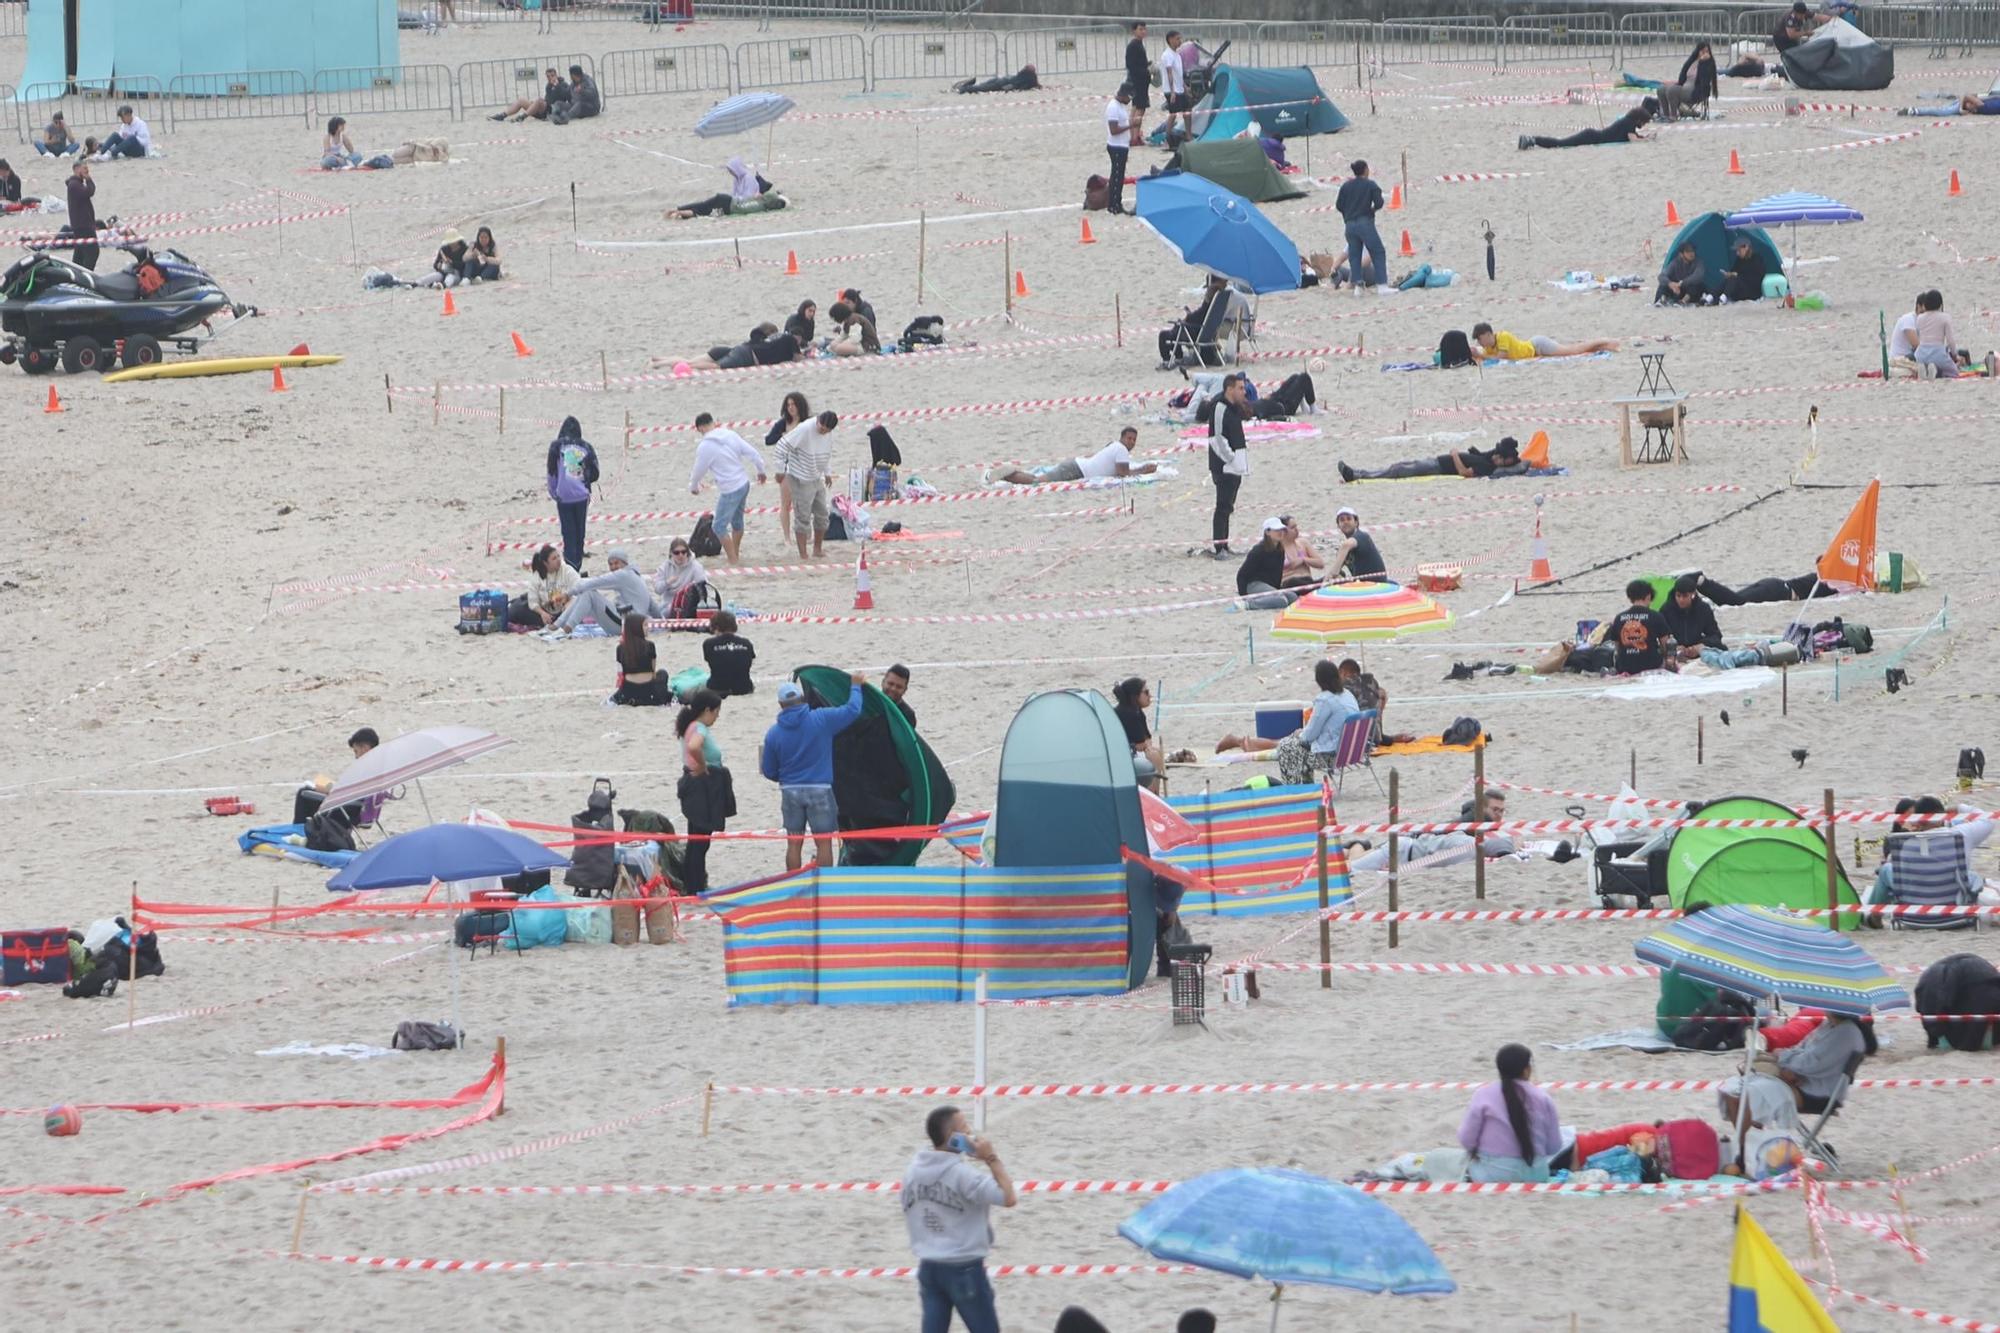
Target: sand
{"x": 162, "y": 652}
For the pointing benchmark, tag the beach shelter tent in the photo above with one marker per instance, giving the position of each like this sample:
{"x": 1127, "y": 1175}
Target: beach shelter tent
{"x": 1714, "y": 242}
{"x": 1288, "y": 102}
{"x": 884, "y": 775}
{"x": 1840, "y": 58}
{"x": 245, "y": 47}
{"x": 1239, "y": 165}
{"x": 1068, "y": 797}
{"x": 1765, "y": 867}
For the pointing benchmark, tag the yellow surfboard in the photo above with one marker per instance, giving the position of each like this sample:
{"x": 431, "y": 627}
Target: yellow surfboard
{"x": 228, "y": 365}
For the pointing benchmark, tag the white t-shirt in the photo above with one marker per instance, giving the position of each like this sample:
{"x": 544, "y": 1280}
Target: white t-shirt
{"x": 1173, "y": 74}
{"x": 1903, "y": 338}
{"x": 1117, "y": 124}
{"x": 1104, "y": 463}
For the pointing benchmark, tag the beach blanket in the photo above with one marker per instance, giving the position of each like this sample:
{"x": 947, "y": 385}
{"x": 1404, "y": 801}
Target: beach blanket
{"x": 1425, "y": 745}
{"x": 1647, "y": 1039}
{"x": 274, "y": 841}
{"x": 1688, "y": 684}
{"x": 1262, "y": 430}
{"x": 346, "y": 1050}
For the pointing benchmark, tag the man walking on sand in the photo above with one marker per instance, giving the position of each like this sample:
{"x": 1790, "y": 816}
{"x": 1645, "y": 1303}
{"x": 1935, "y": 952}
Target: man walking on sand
{"x": 946, "y": 1205}
{"x": 798, "y": 756}
{"x": 729, "y": 457}
{"x": 1139, "y": 78}
{"x": 805, "y": 457}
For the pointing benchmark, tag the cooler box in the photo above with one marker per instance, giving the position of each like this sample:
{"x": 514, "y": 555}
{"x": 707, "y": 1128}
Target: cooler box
{"x": 31, "y": 956}
{"x": 482, "y": 612}
{"x": 1274, "y": 724}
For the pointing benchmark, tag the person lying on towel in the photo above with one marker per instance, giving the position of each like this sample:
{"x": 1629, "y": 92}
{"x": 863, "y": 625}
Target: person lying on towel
{"x": 1112, "y": 461}
{"x": 1502, "y": 460}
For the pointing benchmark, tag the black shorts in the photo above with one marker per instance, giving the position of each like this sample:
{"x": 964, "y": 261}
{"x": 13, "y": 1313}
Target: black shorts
{"x": 1177, "y": 102}
{"x": 1140, "y": 99}
{"x": 1810, "y": 1104}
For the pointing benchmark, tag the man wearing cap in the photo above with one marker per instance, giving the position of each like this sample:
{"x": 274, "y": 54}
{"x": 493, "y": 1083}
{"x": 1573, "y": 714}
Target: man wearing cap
{"x": 798, "y": 756}
{"x": 1691, "y": 618}
{"x": 606, "y": 597}
{"x": 1356, "y": 556}
{"x": 1262, "y": 572}
{"x": 1504, "y": 456}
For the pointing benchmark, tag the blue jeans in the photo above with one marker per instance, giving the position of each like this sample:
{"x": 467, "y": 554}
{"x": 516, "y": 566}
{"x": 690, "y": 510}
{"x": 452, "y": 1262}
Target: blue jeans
{"x": 811, "y": 807}
{"x": 119, "y": 145}
{"x": 338, "y": 161}
{"x": 572, "y": 516}
{"x": 964, "y": 1287}
{"x": 1725, "y": 659}
{"x": 64, "y": 151}
{"x": 1363, "y": 236}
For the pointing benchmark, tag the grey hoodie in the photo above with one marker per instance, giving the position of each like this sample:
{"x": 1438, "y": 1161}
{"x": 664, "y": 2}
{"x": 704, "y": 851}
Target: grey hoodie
{"x": 945, "y": 1201}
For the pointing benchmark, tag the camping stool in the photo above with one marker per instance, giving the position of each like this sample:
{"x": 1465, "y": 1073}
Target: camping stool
{"x": 1190, "y": 983}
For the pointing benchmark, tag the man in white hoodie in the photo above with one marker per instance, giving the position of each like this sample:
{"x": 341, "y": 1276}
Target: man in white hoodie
{"x": 729, "y": 458}
{"x": 945, "y": 1204}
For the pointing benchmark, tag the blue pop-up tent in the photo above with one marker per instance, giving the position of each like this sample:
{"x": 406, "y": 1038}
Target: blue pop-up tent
{"x": 1714, "y": 244}
{"x": 1286, "y": 102}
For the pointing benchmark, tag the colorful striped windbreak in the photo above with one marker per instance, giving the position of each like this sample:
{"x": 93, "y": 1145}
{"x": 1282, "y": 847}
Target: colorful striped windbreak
{"x": 1260, "y": 846}
{"x": 909, "y": 934}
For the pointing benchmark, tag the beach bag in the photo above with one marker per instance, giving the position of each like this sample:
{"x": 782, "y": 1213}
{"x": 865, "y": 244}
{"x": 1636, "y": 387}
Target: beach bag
{"x": 1857, "y": 638}
{"x": 417, "y": 1035}
{"x": 854, "y": 521}
{"x": 1689, "y": 1149}
{"x": 586, "y": 925}
{"x": 1096, "y": 194}
{"x": 380, "y": 162}
{"x": 325, "y": 833}
{"x": 593, "y": 867}
{"x": 923, "y": 331}
{"x": 702, "y": 541}
{"x": 482, "y": 612}
{"x": 1462, "y": 731}
{"x": 37, "y": 955}
{"x": 624, "y": 919}
{"x": 532, "y": 930}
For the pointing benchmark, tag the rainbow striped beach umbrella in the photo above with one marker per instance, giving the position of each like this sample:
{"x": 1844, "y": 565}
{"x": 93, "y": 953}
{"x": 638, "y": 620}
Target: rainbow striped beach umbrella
{"x": 1763, "y": 952}
{"x": 1351, "y": 612}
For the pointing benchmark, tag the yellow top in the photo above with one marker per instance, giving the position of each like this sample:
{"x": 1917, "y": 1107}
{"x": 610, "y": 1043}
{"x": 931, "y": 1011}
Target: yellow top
{"x": 1509, "y": 348}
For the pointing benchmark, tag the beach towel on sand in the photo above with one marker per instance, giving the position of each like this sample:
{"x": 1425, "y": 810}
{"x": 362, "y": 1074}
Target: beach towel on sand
{"x": 274, "y": 841}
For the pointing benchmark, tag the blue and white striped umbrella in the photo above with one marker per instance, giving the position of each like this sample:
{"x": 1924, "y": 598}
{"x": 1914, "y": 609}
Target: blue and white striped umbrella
{"x": 745, "y": 111}
{"x": 1814, "y": 210}
{"x": 1763, "y": 952}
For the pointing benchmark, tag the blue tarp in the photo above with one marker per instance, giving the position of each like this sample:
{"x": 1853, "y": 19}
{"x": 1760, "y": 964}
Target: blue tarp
{"x": 270, "y": 841}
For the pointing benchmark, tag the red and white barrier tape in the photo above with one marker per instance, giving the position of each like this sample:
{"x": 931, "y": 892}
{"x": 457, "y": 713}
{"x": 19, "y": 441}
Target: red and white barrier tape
{"x": 1053, "y": 1090}
{"x": 696, "y": 1270}
{"x": 1914, "y": 1312}
{"x": 1459, "y": 916}
{"x": 1583, "y": 825}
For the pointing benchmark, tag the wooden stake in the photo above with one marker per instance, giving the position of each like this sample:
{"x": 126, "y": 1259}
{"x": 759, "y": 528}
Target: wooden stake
{"x": 1007, "y": 271}
{"x": 1118, "y": 317}
{"x": 707, "y": 1103}
{"x": 351, "y": 239}
{"x": 1784, "y": 691}
{"x": 1325, "y": 926}
{"x": 1406, "y": 177}
{"x": 1832, "y": 865}
{"x": 387, "y": 396}
{"x": 739, "y": 252}
{"x": 922, "y": 220}
{"x": 1698, "y": 722}
{"x": 503, "y": 411}
{"x": 299, "y": 1222}
{"x": 437, "y": 401}
{"x": 1395, "y": 895}
{"x": 1479, "y": 814}
{"x": 552, "y": 266}
{"x": 603, "y": 370}
{"x": 1632, "y": 775}
{"x": 500, "y": 1059}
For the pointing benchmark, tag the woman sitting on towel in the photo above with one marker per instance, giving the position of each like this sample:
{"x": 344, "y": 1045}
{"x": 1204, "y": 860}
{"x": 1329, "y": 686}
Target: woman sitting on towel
{"x": 548, "y": 592}
{"x": 748, "y": 193}
{"x": 337, "y": 151}
{"x": 1511, "y": 1127}
{"x": 482, "y": 261}
{"x": 1302, "y": 563}
{"x": 1132, "y": 696}
{"x": 854, "y": 333}
{"x": 679, "y": 583}
{"x": 448, "y": 265}
{"x": 639, "y": 680}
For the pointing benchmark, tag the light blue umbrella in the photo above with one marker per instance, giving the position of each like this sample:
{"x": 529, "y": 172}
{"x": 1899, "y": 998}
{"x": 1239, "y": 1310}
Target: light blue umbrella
{"x": 447, "y": 853}
{"x": 1814, "y": 210}
{"x": 1764, "y": 952}
{"x": 741, "y": 113}
{"x": 1219, "y": 230}
{"x": 1283, "y": 1226}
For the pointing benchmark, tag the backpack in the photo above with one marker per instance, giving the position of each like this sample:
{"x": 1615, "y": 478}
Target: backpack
{"x": 1689, "y": 1149}
{"x": 1462, "y": 731}
{"x": 703, "y": 541}
{"x": 1454, "y": 350}
{"x": 923, "y": 331}
{"x": 417, "y": 1035}
{"x": 854, "y": 521}
{"x": 1096, "y": 194}
{"x": 1716, "y": 1026}
{"x": 325, "y": 833}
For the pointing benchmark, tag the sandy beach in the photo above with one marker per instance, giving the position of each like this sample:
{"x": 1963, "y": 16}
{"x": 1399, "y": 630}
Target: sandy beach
{"x": 210, "y": 585}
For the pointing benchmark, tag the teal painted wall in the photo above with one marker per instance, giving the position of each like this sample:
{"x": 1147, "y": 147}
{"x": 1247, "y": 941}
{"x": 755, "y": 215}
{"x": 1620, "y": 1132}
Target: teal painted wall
{"x": 161, "y": 39}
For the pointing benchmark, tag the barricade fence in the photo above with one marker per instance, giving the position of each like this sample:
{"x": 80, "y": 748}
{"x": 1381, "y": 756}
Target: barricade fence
{"x": 489, "y": 83}
{"x": 88, "y": 104}
{"x": 1341, "y": 45}
{"x": 383, "y": 89}
{"x": 654, "y": 71}
{"x": 1464, "y": 41}
{"x": 255, "y": 94}
{"x": 971, "y": 54}
{"x": 13, "y": 18}
{"x": 787, "y": 61}
{"x": 1664, "y": 32}
{"x": 1586, "y": 39}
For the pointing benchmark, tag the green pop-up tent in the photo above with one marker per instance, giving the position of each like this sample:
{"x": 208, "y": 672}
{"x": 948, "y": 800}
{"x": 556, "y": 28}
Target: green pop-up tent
{"x": 1765, "y": 867}
{"x": 884, "y": 774}
{"x": 1239, "y": 165}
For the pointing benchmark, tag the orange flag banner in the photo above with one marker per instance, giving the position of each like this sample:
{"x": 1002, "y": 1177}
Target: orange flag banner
{"x": 1850, "y": 556}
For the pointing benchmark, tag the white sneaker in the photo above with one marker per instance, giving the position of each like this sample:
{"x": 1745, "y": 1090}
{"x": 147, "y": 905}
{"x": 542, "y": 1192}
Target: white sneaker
{"x": 1385, "y": 288}
{"x": 452, "y": 279}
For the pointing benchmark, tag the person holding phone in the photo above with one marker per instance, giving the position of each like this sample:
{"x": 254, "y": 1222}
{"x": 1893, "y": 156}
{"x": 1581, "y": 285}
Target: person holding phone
{"x": 946, "y": 1202}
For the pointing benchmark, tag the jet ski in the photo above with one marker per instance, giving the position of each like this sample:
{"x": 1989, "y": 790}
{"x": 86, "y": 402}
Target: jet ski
{"x": 52, "y": 309}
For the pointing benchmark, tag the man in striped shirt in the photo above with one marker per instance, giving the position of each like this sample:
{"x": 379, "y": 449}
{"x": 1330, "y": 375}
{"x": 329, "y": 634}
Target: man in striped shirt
{"x": 805, "y": 458}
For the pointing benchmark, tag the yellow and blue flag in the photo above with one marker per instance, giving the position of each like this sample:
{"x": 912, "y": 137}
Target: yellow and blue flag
{"x": 1766, "y": 1295}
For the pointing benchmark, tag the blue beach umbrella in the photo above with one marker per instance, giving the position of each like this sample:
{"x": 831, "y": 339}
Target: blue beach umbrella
{"x": 1219, "y": 230}
{"x": 1792, "y": 209}
{"x": 1763, "y": 952}
{"x": 445, "y": 852}
{"x": 1281, "y": 1226}
{"x": 742, "y": 113}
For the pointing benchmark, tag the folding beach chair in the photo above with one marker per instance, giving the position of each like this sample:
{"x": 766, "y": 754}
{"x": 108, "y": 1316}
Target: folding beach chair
{"x": 1809, "y": 1135}
{"x": 1354, "y": 749}
{"x": 1238, "y": 321}
{"x": 1929, "y": 869}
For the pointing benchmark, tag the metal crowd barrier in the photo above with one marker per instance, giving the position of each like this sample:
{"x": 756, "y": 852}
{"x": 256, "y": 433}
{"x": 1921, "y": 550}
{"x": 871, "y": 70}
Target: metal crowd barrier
{"x": 1584, "y": 38}
{"x": 656, "y": 70}
{"x": 783, "y": 62}
{"x": 1467, "y": 41}
{"x": 360, "y": 90}
{"x": 485, "y": 83}
{"x": 971, "y": 54}
{"x": 251, "y": 94}
{"x": 88, "y": 104}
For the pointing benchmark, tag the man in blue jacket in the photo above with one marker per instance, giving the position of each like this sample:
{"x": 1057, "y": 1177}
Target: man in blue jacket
{"x": 798, "y": 756}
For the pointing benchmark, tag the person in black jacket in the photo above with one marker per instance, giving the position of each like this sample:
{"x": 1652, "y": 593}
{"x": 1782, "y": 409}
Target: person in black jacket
{"x": 82, "y": 216}
{"x": 1691, "y": 619}
{"x": 1189, "y": 325}
{"x": 1358, "y": 201}
{"x": 1228, "y": 459}
{"x": 1263, "y": 570}
{"x": 1695, "y": 85}
{"x": 1625, "y": 129}
{"x": 1743, "y": 280}
{"x": 1139, "y": 78}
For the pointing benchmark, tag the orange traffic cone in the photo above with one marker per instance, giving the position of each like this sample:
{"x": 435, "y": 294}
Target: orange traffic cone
{"x": 1538, "y": 556}
{"x": 864, "y": 596}
{"x": 450, "y": 306}
{"x": 1735, "y": 163}
{"x": 1020, "y": 283}
{"x": 1408, "y": 251}
{"x": 300, "y": 350}
{"x": 791, "y": 263}
{"x": 1954, "y": 191}
{"x": 521, "y": 348}
{"x": 55, "y": 403}
{"x": 1396, "y": 199}
{"x": 1086, "y": 238}
{"x": 278, "y": 384}
{"x": 1673, "y": 214}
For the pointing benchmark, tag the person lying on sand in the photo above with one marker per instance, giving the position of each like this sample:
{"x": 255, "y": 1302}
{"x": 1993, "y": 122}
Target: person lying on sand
{"x": 1972, "y": 104}
{"x": 1625, "y": 129}
{"x": 1504, "y": 346}
{"x": 749, "y": 192}
{"x": 766, "y": 347}
{"x": 1502, "y": 460}
{"x": 1112, "y": 461}
{"x": 1022, "y": 82}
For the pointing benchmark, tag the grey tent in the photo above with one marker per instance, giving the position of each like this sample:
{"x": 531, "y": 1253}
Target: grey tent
{"x": 1840, "y": 58}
